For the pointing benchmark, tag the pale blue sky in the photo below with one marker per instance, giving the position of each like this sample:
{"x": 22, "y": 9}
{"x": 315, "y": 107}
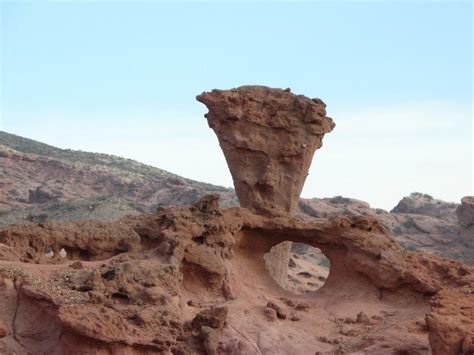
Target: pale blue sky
{"x": 121, "y": 77}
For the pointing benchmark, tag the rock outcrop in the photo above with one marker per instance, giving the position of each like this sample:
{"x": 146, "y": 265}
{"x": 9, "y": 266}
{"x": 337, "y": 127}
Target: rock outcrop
{"x": 269, "y": 137}
{"x": 465, "y": 212}
{"x": 419, "y": 222}
{"x": 426, "y": 205}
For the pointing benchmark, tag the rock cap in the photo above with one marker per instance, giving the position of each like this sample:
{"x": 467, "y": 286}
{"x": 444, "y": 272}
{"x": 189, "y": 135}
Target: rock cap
{"x": 268, "y": 137}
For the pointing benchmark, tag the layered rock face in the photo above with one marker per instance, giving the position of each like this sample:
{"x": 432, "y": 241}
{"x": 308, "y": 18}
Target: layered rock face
{"x": 269, "y": 137}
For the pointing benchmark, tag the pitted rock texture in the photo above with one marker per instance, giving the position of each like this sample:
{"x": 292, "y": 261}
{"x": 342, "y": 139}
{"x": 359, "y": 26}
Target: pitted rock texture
{"x": 82, "y": 240}
{"x": 269, "y": 137}
{"x": 194, "y": 281}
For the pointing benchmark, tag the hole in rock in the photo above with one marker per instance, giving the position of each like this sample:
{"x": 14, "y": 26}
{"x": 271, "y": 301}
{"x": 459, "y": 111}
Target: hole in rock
{"x": 306, "y": 269}
{"x": 109, "y": 275}
{"x": 85, "y": 255}
{"x": 199, "y": 240}
{"x": 121, "y": 297}
{"x": 78, "y": 254}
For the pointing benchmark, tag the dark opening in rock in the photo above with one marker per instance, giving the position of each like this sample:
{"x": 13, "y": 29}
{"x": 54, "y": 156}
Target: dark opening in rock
{"x": 306, "y": 270}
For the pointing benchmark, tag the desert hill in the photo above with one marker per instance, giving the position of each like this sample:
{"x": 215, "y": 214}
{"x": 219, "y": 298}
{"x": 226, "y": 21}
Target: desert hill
{"x": 40, "y": 182}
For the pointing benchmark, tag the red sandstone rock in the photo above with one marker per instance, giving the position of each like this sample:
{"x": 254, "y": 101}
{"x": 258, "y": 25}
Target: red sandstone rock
{"x": 214, "y": 318}
{"x": 465, "y": 211}
{"x": 269, "y": 137}
{"x": 138, "y": 298}
{"x": 84, "y": 240}
{"x": 132, "y": 294}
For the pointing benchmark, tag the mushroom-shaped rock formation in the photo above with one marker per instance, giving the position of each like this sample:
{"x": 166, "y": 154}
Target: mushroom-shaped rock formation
{"x": 192, "y": 280}
{"x": 269, "y": 137}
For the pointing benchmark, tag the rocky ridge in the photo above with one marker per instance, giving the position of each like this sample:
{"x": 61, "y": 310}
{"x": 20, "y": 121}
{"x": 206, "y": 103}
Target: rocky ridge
{"x": 419, "y": 222}
{"x": 268, "y": 137}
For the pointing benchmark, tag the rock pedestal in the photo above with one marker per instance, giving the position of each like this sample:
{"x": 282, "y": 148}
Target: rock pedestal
{"x": 269, "y": 137}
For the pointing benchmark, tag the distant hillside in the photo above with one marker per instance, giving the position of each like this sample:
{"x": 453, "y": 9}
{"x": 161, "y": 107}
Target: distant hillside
{"x": 112, "y": 163}
{"x": 41, "y": 182}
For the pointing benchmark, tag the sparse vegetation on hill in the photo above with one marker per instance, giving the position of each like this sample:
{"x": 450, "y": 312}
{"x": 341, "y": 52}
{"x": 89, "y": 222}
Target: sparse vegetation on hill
{"x": 41, "y": 182}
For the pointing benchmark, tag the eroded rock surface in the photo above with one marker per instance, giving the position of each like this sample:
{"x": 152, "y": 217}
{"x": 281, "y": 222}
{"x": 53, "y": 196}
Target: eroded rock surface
{"x": 194, "y": 281}
{"x": 269, "y": 137}
{"x": 101, "y": 187}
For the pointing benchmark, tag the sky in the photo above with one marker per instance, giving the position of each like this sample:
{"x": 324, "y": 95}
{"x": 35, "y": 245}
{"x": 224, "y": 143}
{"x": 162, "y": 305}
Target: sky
{"x": 121, "y": 78}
